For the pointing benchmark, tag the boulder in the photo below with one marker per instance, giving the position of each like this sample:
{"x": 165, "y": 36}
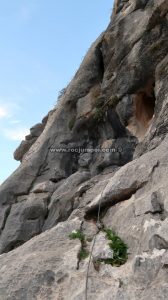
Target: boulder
{"x": 36, "y": 130}
{"x": 25, "y": 220}
{"x": 23, "y": 148}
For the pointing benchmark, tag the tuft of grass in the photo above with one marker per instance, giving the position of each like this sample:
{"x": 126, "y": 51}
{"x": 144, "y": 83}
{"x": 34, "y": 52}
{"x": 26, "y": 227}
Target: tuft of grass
{"x": 77, "y": 234}
{"x": 118, "y": 247}
{"x": 83, "y": 254}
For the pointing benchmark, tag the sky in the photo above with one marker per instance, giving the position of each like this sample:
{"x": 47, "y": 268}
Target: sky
{"x": 42, "y": 45}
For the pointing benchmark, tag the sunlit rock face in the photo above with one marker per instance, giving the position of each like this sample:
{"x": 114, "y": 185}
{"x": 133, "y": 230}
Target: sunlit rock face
{"x": 106, "y": 141}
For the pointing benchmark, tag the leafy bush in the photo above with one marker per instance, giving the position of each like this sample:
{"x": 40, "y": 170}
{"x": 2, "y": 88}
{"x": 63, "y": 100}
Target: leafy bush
{"x": 101, "y": 107}
{"x": 118, "y": 247}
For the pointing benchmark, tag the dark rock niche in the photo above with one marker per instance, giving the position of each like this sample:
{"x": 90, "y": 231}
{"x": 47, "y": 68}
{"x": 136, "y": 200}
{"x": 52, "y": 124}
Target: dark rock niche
{"x": 143, "y": 111}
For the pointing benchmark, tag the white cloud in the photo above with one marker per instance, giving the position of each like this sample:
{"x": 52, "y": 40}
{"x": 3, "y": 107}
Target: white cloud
{"x": 16, "y": 134}
{"x": 8, "y": 109}
{"x": 11, "y": 130}
{"x": 3, "y": 112}
{"x": 15, "y": 122}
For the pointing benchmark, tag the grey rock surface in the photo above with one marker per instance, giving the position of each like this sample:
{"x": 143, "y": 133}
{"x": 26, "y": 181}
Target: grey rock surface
{"x": 25, "y": 220}
{"x": 102, "y": 249}
{"x": 116, "y": 100}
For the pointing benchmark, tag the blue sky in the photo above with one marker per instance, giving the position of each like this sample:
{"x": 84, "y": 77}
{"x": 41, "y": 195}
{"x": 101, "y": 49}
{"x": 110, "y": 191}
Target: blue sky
{"x": 42, "y": 45}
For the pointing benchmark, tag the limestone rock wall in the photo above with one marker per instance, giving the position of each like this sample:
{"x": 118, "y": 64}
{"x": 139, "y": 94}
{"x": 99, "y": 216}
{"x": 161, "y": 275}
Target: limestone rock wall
{"x": 116, "y": 101}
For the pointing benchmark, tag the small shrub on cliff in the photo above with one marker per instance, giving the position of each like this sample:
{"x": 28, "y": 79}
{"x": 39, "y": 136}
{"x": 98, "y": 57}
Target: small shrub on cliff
{"x": 118, "y": 247}
{"x": 102, "y": 106}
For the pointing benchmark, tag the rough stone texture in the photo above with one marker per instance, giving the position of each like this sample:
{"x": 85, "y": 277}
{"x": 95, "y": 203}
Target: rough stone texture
{"x": 63, "y": 199}
{"x": 84, "y": 106}
{"x": 102, "y": 249}
{"x": 44, "y": 269}
{"x": 24, "y": 221}
{"x": 122, "y": 187}
{"x": 3, "y": 215}
{"x": 30, "y": 139}
{"x": 36, "y": 130}
{"x": 44, "y": 187}
{"x": 23, "y": 148}
{"x": 116, "y": 100}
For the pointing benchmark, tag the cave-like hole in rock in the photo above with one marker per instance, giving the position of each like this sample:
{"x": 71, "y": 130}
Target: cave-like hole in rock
{"x": 143, "y": 111}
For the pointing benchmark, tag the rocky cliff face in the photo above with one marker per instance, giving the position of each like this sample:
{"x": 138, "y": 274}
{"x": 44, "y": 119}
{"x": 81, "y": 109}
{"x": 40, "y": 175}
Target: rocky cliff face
{"x": 116, "y": 107}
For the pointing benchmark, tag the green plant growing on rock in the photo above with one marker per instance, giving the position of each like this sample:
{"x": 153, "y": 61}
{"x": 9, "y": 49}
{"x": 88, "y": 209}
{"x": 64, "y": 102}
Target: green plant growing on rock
{"x": 118, "y": 247}
{"x": 77, "y": 234}
{"x": 83, "y": 254}
{"x": 101, "y": 107}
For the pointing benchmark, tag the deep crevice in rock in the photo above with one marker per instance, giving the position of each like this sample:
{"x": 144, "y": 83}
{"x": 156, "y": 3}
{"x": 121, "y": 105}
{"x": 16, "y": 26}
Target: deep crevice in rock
{"x": 100, "y": 60}
{"x": 13, "y": 245}
{"x": 5, "y": 218}
{"x": 92, "y": 212}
